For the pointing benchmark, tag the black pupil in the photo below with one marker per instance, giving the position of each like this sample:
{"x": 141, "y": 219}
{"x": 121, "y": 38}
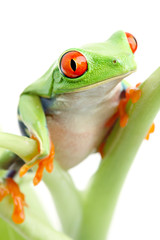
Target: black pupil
{"x": 73, "y": 65}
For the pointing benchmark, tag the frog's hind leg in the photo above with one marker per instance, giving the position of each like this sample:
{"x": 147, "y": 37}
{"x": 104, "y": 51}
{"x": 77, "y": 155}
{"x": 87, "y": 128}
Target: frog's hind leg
{"x": 9, "y": 167}
{"x": 33, "y": 123}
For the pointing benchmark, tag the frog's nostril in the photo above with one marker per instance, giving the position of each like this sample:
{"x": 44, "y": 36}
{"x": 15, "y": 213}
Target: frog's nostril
{"x": 114, "y": 61}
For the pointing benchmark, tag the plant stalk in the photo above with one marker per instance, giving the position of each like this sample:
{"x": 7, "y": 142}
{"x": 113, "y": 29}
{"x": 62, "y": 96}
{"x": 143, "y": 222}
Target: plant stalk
{"x": 66, "y": 198}
{"x": 121, "y": 147}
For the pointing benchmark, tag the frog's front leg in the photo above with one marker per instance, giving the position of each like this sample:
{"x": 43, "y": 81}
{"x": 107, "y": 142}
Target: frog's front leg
{"x": 127, "y": 93}
{"x": 32, "y": 115}
{"x": 38, "y": 148}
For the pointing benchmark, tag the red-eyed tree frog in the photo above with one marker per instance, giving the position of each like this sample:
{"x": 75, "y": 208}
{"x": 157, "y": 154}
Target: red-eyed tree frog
{"x": 71, "y": 108}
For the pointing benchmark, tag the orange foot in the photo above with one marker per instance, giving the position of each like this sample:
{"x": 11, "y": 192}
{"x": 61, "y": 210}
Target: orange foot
{"x": 151, "y": 130}
{"x": 46, "y": 162}
{"x": 101, "y": 149}
{"x": 10, "y": 187}
{"x": 131, "y": 93}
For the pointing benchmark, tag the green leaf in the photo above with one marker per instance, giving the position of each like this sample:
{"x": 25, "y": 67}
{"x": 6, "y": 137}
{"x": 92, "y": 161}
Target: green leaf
{"x": 26, "y": 148}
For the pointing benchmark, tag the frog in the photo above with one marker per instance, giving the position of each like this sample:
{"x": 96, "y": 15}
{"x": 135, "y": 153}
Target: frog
{"x": 71, "y": 109}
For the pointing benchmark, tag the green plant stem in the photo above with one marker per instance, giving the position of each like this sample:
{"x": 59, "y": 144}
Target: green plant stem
{"x": 66, "y": 197}
{"x": 26, "y": 148}
{"x": 36, "y": 226}
{"x": 7, "y": 233}
{"x": 120, "y": 149}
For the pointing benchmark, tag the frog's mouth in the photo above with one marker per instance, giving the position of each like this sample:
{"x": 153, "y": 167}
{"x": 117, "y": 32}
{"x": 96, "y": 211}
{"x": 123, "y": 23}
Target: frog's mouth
{"x": 110, "y": 83}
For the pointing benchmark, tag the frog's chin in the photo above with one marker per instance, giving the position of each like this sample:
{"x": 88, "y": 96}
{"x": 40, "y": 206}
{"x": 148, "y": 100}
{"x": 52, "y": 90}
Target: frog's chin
{"x": 110, "y": 82}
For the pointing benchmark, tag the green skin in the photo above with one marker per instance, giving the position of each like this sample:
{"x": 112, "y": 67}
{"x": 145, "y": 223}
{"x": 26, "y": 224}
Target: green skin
{"x": 95, "y": 206}
{"x": 102, "y": 68}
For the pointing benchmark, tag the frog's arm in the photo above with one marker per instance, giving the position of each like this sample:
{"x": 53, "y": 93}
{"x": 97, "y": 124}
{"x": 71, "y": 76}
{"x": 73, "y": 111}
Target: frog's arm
{"x": 31, "y": 114}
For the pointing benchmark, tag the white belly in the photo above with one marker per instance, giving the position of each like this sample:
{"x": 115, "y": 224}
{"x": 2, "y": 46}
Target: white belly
{"x": 78, "y": 127}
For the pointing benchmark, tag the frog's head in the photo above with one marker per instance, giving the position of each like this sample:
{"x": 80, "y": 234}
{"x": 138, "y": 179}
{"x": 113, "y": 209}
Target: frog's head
{"x": 94, "y": 64}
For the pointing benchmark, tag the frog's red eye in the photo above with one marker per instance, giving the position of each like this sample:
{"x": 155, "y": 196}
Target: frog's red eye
{"x": 132, "y": 42}
{"x": 73, "y": 64}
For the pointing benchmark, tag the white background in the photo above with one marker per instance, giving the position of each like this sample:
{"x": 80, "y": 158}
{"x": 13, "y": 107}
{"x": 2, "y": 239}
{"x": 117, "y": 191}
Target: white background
{"x": 32, "y": 35}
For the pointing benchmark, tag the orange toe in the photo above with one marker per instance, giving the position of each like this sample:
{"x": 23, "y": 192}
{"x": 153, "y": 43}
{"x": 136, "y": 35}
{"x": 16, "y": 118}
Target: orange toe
{"x": 112, "y": 120}
{"x": 151, "y": 130}
{"x": 134, "y": 94}
{"x": 131, "y": 93}
{"x": 23, "y": 170}
{"x": 124, "y": 120}
{"x": 47, "y": 163}
{"x": 39, "y": 174}
{"x": 11, "y": 188}
{"x": 101, "y": 149}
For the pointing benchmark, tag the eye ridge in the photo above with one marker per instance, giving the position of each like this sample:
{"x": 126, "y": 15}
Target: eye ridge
{"x": 73, "y": 65}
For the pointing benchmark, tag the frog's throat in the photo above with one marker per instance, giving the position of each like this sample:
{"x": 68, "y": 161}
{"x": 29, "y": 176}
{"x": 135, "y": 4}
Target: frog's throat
{"x": 114, "y": 80}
